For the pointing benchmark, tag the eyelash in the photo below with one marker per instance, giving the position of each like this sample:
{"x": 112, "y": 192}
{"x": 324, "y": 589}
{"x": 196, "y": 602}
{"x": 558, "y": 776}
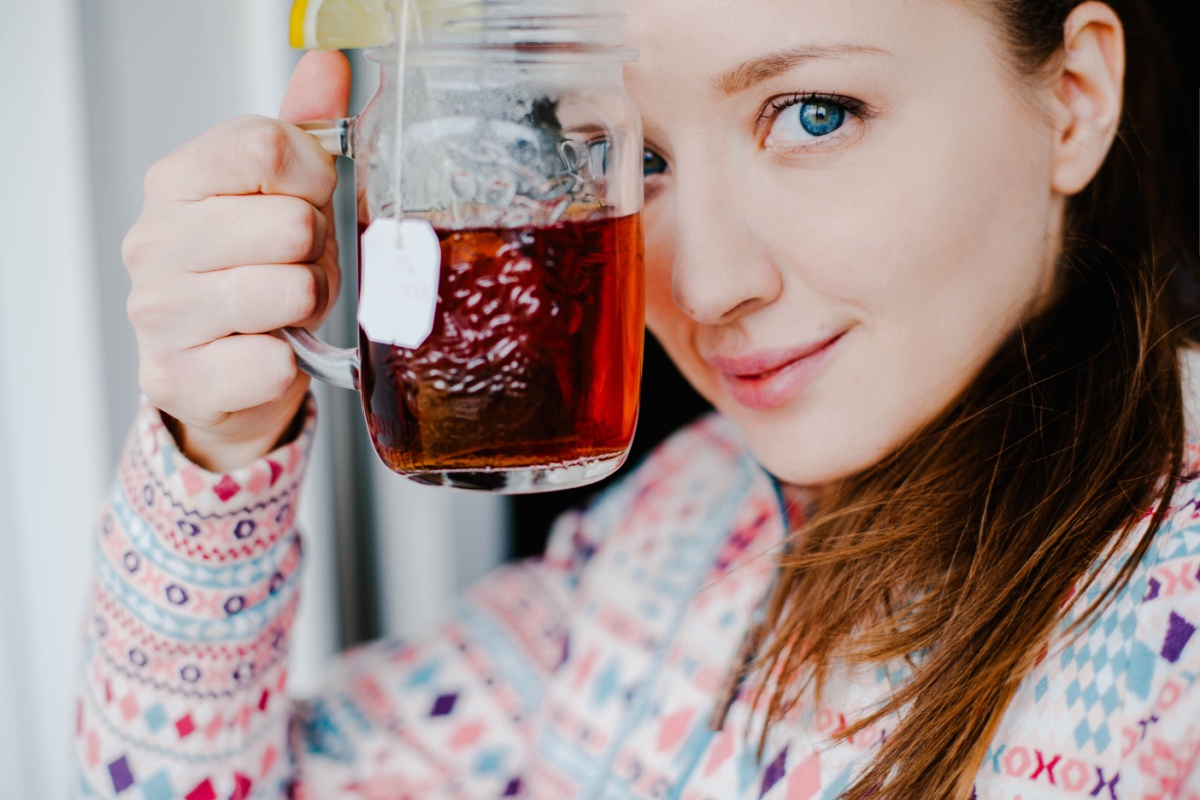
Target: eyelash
{"x": 777, "y": 105}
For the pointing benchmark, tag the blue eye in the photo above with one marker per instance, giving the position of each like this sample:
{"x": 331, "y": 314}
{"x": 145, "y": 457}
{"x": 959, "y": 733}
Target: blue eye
{"x": 802, "y": 119}
{"x": 821, "y": 117}
{"x": 653, "y": 163}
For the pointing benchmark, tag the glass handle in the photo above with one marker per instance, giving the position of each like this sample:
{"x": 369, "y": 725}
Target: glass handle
{"x": 335, "y": 135}
{"x": 337, "y": 366}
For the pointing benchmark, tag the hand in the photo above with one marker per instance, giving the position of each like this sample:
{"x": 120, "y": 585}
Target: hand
{"x": 234, "y": 241}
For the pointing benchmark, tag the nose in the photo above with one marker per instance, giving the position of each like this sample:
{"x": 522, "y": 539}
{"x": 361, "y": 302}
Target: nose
{"x": 720, "y": 271}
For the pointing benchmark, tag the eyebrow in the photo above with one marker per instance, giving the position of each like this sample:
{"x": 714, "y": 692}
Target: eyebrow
{"x": 756, "y": 70}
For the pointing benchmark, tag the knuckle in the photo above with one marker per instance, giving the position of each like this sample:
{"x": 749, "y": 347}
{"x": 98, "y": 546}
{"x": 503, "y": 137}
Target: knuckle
{"x": 283, "y": 369}
{"x": 158, "y": 381}
{"x": 158, "y": 178}
{"x": 145, "y": 312}
{"x": 135, "y": 248}
{"x": 303, "y": 295}
{"x": 300, "y": 231}
{"x": 329, "y": 183}
{"x": 138, "y": 311}
{"x": 269, "y": 148}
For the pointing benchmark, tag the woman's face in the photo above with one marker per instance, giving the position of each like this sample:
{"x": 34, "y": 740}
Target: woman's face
{"x": 848, "y": 207}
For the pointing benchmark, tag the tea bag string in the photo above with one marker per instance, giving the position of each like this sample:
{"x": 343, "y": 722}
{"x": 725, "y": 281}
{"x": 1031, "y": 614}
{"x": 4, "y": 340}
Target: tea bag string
{"x": 398, "y": 160}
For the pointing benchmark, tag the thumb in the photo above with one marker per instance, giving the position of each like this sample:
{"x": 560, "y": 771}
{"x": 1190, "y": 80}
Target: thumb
{"x": 319, "y": 88}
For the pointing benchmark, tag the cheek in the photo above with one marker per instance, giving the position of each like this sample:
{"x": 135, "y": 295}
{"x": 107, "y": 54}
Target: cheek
{"x": 935, "y": 254}
{"x": 661, "y": 312}
{"x": 673, "y": 329}
{"x": 936, "y": 242}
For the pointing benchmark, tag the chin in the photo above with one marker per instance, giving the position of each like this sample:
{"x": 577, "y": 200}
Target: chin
{"x": 805, "y": 452}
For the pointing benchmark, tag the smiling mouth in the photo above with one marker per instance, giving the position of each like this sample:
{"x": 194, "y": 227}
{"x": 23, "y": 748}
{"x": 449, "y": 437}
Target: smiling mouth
{"x": 770, "y": 379}
{"x": 761, "y": 366}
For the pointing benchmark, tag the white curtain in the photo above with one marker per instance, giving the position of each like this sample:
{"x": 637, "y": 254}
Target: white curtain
{"x": 93, "y": 92}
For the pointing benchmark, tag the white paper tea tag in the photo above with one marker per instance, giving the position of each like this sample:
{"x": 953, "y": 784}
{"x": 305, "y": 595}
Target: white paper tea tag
{"x": 398, "y": 295}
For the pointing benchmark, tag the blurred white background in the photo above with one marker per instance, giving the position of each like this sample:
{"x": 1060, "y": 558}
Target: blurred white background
{"x": 94, "y": 91}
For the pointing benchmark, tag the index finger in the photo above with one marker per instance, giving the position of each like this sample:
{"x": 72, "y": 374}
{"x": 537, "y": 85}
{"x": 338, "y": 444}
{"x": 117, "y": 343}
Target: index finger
{"x": 248, "y": 155}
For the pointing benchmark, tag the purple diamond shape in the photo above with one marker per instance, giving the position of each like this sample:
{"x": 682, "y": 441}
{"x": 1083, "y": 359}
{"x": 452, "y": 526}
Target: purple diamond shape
{"x": 1152, "y": 591}
{"x": 443, "y": 705}
{"x": 514, "y": 787}
{"x": 1179, "y": 632}
{"x": 122, "y": 778}
{"x": 774, "y": 772}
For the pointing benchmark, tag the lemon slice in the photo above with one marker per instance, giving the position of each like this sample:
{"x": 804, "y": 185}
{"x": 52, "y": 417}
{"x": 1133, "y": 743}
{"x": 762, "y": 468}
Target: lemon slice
{"x": 335, "y": 24}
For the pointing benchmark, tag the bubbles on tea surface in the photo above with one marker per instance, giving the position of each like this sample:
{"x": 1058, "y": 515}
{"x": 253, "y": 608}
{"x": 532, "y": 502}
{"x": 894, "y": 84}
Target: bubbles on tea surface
{"x": 510, "y": 302}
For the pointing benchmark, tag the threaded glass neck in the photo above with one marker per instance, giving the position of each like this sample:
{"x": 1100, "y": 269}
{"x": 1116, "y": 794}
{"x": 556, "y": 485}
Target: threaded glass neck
{"x": 549, "y": 27}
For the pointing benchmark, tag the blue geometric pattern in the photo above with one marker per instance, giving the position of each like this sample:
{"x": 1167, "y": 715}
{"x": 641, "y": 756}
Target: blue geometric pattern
{"x": 246, "y": 624}
{"x": 490, "y": 710}
{"x": 252, "y": 571}
{"x": 159, "y": 787}
{"x": 1185, "y": 539}
{"x": 156, "y": 717}
{"x": 1100, "y": 663}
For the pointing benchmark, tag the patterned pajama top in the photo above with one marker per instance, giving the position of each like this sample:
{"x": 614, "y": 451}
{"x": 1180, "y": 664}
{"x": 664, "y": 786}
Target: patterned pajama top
{"x": 588, "y": 674}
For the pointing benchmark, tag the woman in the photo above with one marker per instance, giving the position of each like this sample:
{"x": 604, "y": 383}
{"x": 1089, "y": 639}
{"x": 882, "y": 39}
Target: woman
{"x": 936, "y": 308}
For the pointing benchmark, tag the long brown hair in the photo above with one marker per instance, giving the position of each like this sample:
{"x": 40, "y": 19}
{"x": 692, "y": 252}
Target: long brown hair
{"x": 959, "y": 551}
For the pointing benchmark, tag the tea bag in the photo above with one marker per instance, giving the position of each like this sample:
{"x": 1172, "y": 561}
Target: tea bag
{"x": 401, "y": 258}
{"x": 398, "y": 157}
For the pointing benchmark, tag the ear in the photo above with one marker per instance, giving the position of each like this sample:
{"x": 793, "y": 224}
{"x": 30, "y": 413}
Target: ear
{"x": 1087, "y": 94}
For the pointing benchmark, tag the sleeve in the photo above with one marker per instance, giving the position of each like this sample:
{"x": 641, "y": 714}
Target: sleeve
{"x": 1164, "y": 764}
{"x": 454, "y": 716}
{"x": 184, "y": 677}
{"x": 1161, "y": 677}
{"x": 194, "y": 587}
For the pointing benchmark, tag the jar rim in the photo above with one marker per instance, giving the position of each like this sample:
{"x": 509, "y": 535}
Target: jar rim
{"x": 520, "y": 53}
{"x": 515, "y": 24}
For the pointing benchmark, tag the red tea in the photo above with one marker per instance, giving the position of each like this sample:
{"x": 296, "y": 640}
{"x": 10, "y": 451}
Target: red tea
{"x": 533, "y": 362}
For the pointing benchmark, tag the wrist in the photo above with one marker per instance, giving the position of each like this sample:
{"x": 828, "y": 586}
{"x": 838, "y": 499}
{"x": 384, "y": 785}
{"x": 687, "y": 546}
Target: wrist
{"x": 216, "y": 453}
{"x": 219, "y": 517}
{"x": 222, "y": 451}
{"x": 213, "y": 454}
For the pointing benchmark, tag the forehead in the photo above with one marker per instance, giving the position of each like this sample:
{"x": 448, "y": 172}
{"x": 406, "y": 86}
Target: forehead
{"x": 682, "y": 38}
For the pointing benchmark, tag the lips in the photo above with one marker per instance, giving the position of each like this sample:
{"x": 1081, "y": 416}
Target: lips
{"x": 770, "y": 378}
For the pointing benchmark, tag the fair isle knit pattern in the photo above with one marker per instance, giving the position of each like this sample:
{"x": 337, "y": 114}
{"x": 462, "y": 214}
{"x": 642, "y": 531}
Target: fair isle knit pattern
{"x": 589, "y": 674}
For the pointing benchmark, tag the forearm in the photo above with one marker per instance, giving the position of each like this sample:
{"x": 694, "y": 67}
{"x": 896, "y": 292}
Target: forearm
{"x": 195, "y": 586}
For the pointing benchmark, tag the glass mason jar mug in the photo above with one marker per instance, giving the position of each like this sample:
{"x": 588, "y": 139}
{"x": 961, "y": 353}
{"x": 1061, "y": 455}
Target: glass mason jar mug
{"x": 500, "y": 252}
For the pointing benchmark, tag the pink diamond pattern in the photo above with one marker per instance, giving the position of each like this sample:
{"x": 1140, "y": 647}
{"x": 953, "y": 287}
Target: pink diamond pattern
{"x": 92, "y": 753}
{"x": 674, "y": 728}
{"x": 258, "y": 481}
{"x": 129, "y": 707}
{"x": 192, "y": 482}
{"x": 226, "y": 488}
{"x": 202, "y": 792}
{"x": 241, "y": 789}
{"x": 720, "y": 752}
{"x": 214, "y": 727}
{"x": 268, "y": 760}
{"x": 805, "y": 779}
{"x": 467, "y": 735}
